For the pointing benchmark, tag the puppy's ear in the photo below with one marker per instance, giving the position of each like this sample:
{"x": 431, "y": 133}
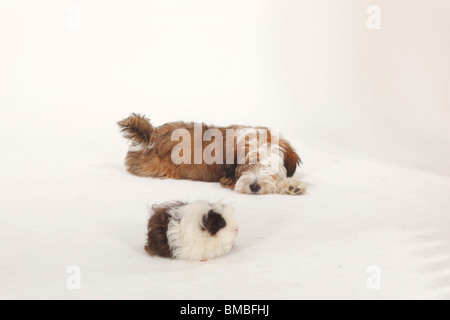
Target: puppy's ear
{"x": 291, "y": 158}
{"x": 213, "y": 222}
{"x": 230, "y": 171}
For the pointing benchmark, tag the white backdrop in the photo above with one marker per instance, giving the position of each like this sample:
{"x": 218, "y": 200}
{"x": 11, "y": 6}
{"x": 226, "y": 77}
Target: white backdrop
{"x": 368, "y": 110}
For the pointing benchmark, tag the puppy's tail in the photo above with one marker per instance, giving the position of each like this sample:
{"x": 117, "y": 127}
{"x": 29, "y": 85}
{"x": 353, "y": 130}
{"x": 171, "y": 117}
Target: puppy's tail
{"x": 138, "y": 129}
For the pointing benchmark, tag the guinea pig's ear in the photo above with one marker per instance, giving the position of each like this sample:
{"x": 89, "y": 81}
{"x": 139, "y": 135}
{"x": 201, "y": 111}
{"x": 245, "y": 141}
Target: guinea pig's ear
{"x": 213, "y": 222}
{"x": 291, "y": 158}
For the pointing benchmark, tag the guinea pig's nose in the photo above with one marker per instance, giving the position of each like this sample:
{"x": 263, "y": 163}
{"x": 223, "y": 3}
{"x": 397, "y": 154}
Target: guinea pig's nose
{"x": 255, "y": 187}
{"x": 236, "y": 229}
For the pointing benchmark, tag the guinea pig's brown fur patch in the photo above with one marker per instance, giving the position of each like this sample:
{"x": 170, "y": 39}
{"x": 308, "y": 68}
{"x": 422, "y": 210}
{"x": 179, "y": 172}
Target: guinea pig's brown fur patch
{"x": 157, "y": 242}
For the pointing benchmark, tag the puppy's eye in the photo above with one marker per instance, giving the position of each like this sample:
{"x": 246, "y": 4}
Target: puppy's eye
{"x": 291, "y": 188}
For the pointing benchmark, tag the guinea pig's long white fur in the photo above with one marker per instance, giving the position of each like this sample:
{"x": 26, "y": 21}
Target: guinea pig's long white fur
{"x": 188, "y": 238}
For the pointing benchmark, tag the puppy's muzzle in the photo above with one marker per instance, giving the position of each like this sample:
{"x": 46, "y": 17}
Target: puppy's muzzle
{"x": 254, "y": 187}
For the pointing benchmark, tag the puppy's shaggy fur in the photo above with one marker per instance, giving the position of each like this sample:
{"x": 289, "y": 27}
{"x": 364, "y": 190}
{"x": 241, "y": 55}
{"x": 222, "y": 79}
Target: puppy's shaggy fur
{"x": 194, "y": 231}
{"x": 152, "y": 150}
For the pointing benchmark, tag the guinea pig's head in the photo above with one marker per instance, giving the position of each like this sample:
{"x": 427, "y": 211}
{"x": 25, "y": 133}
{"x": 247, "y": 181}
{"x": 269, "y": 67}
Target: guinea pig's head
{"x": 219, "y": 219}
{"x": 220, "y": 227}
{"x": 214, "y": 225}
{"x": 201, "y": 230}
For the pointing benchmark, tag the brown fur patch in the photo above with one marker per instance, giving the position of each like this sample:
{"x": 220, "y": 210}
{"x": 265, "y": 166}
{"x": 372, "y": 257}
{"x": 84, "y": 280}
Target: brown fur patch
{"x": 157, "y": 242}
{"x": 213, "y": 222}
{"x": 228, "y": 182}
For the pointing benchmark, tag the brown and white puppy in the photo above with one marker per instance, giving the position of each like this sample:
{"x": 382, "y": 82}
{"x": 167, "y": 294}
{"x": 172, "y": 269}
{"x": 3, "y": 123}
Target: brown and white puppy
{"x": 252, "y": 160}
{"x": 192, "y": 231}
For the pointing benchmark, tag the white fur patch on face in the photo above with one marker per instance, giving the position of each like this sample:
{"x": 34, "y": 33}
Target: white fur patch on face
{"x": 257, "y": 179}
{"x": 187, "y": 237}
{"x": 261, "y": 177}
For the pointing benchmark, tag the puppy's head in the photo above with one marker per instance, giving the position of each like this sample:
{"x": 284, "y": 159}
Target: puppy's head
{"x": 263, "y": 158}
{"x": 273, "y": 163}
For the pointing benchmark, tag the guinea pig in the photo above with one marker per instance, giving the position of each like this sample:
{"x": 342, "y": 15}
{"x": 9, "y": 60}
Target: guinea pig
{"x": 192, "y": 231}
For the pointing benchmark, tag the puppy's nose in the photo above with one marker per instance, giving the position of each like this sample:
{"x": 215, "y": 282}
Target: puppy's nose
{"x": 255, "y": 187}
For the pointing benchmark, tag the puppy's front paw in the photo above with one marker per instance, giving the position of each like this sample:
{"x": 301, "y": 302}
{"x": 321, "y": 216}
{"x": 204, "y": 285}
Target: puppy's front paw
{"x": 291, "y": 186}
